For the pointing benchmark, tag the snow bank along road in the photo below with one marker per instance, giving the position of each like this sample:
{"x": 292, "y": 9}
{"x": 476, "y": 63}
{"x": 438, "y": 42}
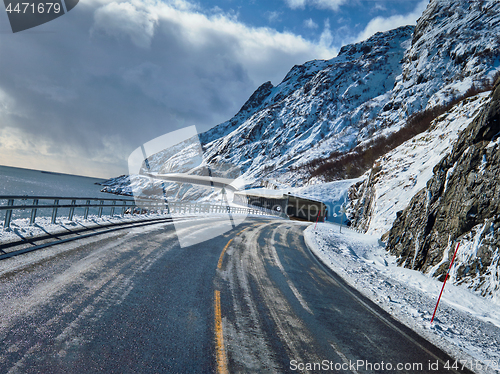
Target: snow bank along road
{"x": 252, "y": 300}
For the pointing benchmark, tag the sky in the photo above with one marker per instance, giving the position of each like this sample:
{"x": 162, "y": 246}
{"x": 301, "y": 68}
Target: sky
{"x": 80, "y": 93}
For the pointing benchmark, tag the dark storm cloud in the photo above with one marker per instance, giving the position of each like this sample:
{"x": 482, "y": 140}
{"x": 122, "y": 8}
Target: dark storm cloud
{"x": 88, "y": 88}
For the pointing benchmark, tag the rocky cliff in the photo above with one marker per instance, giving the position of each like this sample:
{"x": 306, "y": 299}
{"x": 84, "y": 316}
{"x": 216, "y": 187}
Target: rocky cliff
{"x": 402, "y": 172}
{"x": 460, "y": 203}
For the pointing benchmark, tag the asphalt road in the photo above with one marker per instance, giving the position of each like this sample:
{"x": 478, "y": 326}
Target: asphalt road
{"x": 253, "y": 300}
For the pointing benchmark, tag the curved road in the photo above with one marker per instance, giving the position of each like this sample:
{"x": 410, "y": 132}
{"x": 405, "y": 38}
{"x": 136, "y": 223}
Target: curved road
{"x": 254, "y": 300}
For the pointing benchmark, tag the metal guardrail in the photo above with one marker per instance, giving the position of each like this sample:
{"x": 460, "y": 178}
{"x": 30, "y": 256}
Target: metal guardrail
{"x": 56, "y": 203}
{"x": 36, "y": 203}
{"x": 193, "y": 208}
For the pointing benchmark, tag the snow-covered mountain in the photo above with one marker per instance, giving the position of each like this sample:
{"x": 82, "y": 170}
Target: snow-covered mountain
{"x": 368, "y": 90}
{"x": 323, "y": 109}
{"x": 319, "y": 107}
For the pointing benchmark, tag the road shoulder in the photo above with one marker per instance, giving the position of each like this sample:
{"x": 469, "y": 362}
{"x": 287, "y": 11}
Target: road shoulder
{"x": 467, "y": 326}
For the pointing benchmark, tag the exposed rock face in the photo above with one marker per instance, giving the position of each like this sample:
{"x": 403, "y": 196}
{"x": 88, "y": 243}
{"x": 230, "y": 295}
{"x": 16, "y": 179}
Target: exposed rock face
{"x": 461, "y": 202}
{"x": 402, "y": 172}
{"x": 361, "y": 202}
{"x": 454, "y": 41}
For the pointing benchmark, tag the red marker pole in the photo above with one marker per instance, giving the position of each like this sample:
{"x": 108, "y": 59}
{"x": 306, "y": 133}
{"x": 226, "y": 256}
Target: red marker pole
{"x": 444, "y": 283}
{"x": 317, "y": 220}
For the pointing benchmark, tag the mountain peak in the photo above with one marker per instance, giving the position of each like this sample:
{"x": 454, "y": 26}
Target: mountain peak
{"x": 256, "y": 99}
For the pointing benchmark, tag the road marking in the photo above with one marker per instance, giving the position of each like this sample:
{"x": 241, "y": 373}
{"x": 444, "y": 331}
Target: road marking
{"x": 249, "y": 227}
{"x": 343, "y": 357}
{"x": 219, "y": 265}
{"x": 219, "y": 337}
{"x": 219, "y": 334}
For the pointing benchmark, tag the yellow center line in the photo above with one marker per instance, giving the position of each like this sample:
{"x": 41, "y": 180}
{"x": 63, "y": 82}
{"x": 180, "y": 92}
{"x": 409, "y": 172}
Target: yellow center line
{"x": 243, "y": 230}
{"x": 219, "y": 337}
{"x": 219, "y": 265}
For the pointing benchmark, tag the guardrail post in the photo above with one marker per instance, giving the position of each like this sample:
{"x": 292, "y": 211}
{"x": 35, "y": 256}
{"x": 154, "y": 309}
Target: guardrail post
{"x": 72, "y": 210}
{"x": 54, "y": 211}
{"x": 33, "y": 212}
{"x": 100, "y": 208}
{"x": 8, "y": 214}
{"x": 113, "y": 209}
{"x": 86, "y": 213}
{"x": 123, "y": 208}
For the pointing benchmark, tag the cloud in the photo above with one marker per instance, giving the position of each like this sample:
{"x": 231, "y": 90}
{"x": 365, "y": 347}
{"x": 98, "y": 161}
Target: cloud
{"x": 378, "y": 7}
{"x": 320, "y": 4}
{"x": 296, "y": 4}
{"x": 310, "y": 24}
{"x": 88, "y": 88}
{"x": 380, "y": 24}
{"x": 326, "y": 37}
{"x": 273, "y": 17}
{"x": 126, "y": 19}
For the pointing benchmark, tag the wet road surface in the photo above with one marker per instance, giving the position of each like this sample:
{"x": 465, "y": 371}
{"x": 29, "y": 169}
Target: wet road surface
{"x": 253, "y": 300}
